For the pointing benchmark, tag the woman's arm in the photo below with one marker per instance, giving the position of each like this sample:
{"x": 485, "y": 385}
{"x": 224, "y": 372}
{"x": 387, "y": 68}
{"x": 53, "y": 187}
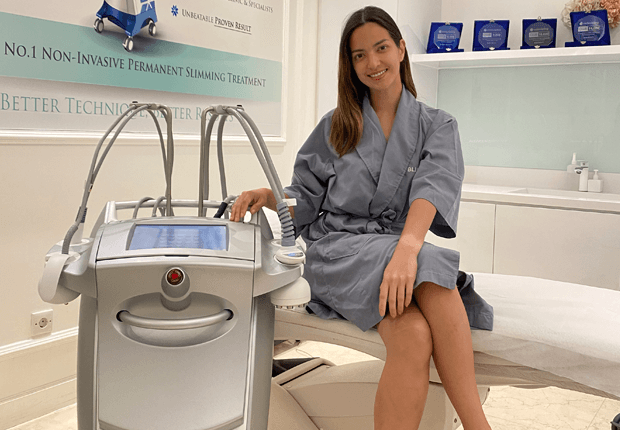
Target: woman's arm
{"x": 399, "y": 275}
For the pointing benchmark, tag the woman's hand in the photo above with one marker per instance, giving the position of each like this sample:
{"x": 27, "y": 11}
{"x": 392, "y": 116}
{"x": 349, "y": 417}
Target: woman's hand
{"x": 398, "y": 280}
{"x": 254, "y": 198}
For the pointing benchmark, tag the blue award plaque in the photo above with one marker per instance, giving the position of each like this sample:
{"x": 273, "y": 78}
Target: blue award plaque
{"x": 539, "y": 33}
{"x": 444, "y": 37}
{"x": 491, "y": 35}
{"x": 590, "y": 28}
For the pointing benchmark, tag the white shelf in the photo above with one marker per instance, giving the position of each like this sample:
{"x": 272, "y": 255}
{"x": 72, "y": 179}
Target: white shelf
{"x": 520, "y": 57}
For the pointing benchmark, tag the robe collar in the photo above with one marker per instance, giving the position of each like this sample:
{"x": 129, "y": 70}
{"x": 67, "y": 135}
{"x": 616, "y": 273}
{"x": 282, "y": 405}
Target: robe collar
{"x": 388, "y": 161}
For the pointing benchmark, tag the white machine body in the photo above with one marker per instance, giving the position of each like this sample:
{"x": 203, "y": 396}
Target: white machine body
{"x": 176, "y": 323}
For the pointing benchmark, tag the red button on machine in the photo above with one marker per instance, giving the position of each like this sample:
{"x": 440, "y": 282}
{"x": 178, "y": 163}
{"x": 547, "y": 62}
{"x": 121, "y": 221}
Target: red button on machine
{"x": 174, "y": 276}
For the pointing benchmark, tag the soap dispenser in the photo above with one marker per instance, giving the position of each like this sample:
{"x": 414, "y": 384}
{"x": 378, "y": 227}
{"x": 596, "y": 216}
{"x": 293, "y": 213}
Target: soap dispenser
{"x": 595, "y": 185}
{"x": 571, "y": 167}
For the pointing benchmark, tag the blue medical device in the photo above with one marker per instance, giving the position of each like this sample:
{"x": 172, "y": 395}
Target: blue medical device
{"x": 130, "y": 15}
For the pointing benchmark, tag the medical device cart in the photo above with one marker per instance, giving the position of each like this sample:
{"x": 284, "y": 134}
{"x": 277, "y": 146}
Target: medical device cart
{"x": 130, "y": 15}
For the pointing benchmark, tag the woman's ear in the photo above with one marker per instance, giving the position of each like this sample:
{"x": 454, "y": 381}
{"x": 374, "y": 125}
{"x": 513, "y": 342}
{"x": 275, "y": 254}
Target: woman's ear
{"x": 402, "y": 49}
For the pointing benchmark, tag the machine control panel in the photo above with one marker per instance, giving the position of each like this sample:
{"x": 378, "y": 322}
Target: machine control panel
{"x": 152, "y": 236}
{"x": 181, "y": 236}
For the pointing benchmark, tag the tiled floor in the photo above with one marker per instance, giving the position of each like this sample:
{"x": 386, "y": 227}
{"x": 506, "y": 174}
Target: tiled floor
{"x": 506, "y": 408}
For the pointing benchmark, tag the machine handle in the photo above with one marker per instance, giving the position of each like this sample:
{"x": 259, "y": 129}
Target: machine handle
{"x": 155, "y": 324}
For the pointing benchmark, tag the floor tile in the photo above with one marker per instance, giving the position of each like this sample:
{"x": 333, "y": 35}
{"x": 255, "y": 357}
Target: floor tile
{"x": 540, "y": 409}
{"x": 602, "y": 420}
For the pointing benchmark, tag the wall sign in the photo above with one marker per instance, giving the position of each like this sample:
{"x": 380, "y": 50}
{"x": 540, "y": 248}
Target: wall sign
{"x": 75, "y": 67}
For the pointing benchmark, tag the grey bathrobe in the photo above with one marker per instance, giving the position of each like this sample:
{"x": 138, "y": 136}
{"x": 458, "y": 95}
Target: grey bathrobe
{"x": 352, "y": 209}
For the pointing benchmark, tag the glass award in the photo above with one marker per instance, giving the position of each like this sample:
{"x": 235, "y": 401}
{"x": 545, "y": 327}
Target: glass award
{"x": 444, "y": 37}
{"x": 590, "y": 28}
{"x": 491, "y": 35}
{"x": 539, "y": 33}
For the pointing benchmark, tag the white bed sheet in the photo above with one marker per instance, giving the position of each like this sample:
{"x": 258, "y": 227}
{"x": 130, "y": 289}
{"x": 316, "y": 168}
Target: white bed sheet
{"x": 566, "y": 329}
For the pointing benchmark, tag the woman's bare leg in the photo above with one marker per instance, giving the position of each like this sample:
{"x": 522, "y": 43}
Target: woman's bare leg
{"x": 452, "y": 350}
{"x": 403, "y": 386}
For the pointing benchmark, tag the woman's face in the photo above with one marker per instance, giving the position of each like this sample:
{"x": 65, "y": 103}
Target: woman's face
{"x": 376, "y": 58}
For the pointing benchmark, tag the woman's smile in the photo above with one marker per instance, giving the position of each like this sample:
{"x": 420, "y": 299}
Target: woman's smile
{"x": 378, "y": 74}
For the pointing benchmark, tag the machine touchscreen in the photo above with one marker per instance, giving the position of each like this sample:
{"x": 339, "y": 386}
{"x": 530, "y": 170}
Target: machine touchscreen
{"x": 212, "y": 237}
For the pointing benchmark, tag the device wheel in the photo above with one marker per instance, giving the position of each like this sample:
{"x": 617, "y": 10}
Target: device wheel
{"x": 615, "y": 424}
{"x": 98, "y": 25}
{"x": 152, "y": 29}
{"x": 128, "y": 44}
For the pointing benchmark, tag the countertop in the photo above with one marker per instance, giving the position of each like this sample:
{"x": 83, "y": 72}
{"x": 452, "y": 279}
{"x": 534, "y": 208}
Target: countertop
{"x": 539, "y": 197}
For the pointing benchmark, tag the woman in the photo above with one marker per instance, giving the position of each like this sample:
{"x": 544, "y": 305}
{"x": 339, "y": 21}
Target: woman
{"x": 373, "y": 177}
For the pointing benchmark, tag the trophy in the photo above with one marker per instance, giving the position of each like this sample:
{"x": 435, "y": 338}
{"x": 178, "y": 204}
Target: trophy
{"x": 589, "y": 28}
{"x": 491, "y": 35}
{"x": 539, "y": 33}
{"x": 444, "y": 37}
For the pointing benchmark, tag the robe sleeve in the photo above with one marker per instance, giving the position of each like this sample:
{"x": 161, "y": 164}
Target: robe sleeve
{"x": 311, "y": 172}
{"x": 439, "y": 176}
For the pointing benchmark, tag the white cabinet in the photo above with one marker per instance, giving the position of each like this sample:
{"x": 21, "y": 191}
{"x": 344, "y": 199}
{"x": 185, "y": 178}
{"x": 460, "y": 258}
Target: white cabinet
{"x": 474, "y": 239}
{"x": 564, "y": 245}
{"x": 507, "y": 237}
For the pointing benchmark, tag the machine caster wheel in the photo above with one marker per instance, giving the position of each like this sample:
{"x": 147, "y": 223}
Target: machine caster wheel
{"x": 128, "y": 44}
{"x": 98, "y": 25}
{"x": 615, "y": 424}
{"x": 152, "y": 29}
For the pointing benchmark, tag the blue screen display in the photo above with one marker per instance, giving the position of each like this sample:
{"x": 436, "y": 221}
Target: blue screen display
{"x": 179, "y": 236}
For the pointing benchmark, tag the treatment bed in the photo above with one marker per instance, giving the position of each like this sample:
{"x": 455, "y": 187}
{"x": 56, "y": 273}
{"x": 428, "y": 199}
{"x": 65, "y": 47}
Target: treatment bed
{"x": 546, "y": 333}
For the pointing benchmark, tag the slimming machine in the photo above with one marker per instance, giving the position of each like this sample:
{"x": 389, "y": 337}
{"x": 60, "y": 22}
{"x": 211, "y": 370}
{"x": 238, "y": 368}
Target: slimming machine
{"x": 130, "y": 15}
{"x": 177, "y": 312}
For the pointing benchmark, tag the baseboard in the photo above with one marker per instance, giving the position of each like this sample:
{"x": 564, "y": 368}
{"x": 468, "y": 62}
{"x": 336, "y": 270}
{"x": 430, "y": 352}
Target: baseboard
{"x": 35, "y": 405}
{"x": 37, "y": 377}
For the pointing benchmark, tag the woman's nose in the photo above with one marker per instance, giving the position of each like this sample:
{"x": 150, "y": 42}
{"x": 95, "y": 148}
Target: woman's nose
{"x": 373, "y": 61}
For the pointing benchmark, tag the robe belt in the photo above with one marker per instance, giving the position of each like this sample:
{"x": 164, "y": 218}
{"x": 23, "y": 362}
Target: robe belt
{"x": 386, "y": 223}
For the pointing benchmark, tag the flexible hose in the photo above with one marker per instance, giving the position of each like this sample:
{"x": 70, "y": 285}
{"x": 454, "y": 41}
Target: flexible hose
{"x": 262, "y": 153}
{"x": 220, "y": 154}
{"x": 286, "y": 221}
{"x": 167, "y": 112}
{"x": 279, "y": 195}
{"x": 156, "y": 206}
{"x": 205, "y": 142}
{"x": 288, "y": 228}
{"x": 111, "y": 142}
{"x": 138, "y": 205}
{"x": 97, "y": 161}
{"x": 263, "y": 146}
{"x": 161, "y": 137}
{"x": 89, "y": 181}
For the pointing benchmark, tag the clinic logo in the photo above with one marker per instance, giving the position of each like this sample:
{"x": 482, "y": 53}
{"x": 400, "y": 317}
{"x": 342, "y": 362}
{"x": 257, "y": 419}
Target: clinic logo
{"x": 175, "y": 10}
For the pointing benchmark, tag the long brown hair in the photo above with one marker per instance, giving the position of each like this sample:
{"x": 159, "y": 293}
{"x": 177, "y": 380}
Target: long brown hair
{"x": 347, "y": 121}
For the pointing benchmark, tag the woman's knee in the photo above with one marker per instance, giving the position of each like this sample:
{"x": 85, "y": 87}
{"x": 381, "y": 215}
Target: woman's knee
{"x": 407, "y": 335}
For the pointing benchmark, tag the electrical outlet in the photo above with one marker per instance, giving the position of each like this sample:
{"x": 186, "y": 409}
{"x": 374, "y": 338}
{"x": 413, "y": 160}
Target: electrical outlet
{"x": 41, "y": 323}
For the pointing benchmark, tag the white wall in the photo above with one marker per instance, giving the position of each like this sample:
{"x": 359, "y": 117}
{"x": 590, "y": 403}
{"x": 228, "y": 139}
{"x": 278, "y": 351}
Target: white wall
{"x": 41, "y": 183}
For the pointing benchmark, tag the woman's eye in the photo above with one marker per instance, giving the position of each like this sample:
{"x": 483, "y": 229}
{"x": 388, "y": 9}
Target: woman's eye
{"x": 383, "y": 47}
{"x": 357, "y": 57}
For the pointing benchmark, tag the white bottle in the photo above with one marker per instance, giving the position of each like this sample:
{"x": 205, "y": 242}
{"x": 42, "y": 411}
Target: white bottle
{"x": 595, "y": 185}
{"x": 571, "y": 167}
